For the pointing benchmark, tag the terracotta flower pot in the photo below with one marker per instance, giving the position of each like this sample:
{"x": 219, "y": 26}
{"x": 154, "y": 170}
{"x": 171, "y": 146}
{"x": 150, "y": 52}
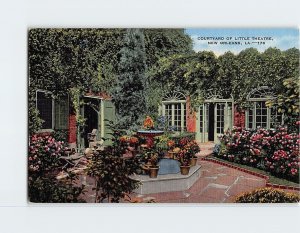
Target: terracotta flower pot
{"x": 184, "y": 170}
{"x": 153, "y": 171}
{"x": 193, "y": 161}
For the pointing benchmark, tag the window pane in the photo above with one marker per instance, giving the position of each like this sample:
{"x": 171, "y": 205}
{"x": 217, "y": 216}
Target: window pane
{"x": 201, "y": 119}
{"x": 44, "y": 106}
{"x": 261, "y": 114}
{"x": 177, "y": 115}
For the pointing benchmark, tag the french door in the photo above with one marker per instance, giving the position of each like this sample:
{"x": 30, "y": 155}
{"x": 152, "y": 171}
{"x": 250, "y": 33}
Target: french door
{"x": 213, "y": 119}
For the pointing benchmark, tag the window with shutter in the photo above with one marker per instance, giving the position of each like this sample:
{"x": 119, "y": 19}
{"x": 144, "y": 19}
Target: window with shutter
{"x": 61, "y": 112}
{"x": 44, "y": 104}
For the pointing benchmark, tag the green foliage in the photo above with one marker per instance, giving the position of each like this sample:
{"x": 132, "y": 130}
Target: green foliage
{"x": 268, "y": 195}
{"x": 47, "y": 189}
{"x": 43, "y": 165}
{"x": 61, "y": 135}
{"x": 77, "y": 102}
{"x": 161, "y": 43}
{"x": 128, "y": 95}
{"x": 191, "y": 74}
{"x": 186, "y": 135}
{"x": 60, "y": 59}
{"x": 34, "y": 122}
{"x": 111, "y": 171}
{"x": 63, "y": 58}
{"x": 287, "y": 102}
{"x": 228, "y": 74}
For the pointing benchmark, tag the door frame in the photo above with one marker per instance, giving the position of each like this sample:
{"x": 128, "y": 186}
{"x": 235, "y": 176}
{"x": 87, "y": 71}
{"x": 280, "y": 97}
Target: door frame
{"x": 228, "y": 118}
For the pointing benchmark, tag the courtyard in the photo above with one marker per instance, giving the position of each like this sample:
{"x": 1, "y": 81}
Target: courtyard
{"x": 219, "y": 182}
{"x": 138, "y": 116}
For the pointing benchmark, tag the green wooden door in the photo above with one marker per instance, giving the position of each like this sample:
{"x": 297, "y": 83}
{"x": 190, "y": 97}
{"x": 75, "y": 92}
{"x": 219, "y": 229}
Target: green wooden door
{"x": 109, "y": 114}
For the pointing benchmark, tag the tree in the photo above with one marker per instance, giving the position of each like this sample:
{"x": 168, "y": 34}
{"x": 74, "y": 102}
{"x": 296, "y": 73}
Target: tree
{"x": 111, "y": 171}
{"x": 61, "y": 59}
{"x": 161, "y": 43}
{"x": 227, "y": 72}
{"x": 128, "y": 94}
{"x": 287, "y": 102}
{"x": 188, "y": 73}
{"x": 87, "y": 59}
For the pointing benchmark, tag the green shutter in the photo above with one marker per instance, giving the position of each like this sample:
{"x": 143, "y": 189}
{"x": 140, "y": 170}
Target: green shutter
{"x": 109, "y": 114}
{"x": 61, "y": 113}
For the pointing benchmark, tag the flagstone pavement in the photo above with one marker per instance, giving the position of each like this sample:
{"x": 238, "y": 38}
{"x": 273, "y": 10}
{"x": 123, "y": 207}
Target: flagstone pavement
{"x": 217, "y": 184}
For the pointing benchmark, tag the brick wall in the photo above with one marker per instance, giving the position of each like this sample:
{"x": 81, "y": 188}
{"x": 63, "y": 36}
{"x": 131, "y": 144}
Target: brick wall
{"x": 72, "y": 128}
{"x": 190, "y": 117}
{"x": 239, "y": 117}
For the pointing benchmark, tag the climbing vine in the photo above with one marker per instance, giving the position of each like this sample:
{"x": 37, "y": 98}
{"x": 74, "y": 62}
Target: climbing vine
{"x": 228, "y": 74}
{"x": 77, "y": 103}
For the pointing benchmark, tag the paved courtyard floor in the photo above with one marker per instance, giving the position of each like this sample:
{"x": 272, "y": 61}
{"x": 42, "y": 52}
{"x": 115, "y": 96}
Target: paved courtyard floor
{"x": 217, "y": 184}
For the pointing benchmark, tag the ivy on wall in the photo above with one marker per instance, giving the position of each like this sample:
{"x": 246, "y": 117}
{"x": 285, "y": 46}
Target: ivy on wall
{"x": 227, "y": 74}
{"x": 60, "y": 59}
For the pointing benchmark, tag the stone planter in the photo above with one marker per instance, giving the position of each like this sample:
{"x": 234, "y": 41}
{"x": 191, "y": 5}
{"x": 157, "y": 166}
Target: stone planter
{"x": 184, "y": 170}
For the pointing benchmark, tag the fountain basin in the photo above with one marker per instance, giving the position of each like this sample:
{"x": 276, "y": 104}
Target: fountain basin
{"x": 167, "y": 183}
{"x": 150, "y": 134}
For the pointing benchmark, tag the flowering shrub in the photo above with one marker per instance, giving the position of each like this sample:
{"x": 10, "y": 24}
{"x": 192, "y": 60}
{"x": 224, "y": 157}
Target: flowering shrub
{"x": 276, "y": 151}
{"x": 44, "y": 153}
{"x": 285, "y": 159}
{"x": 268, "y": 195}
{"x": 43, "y": 161}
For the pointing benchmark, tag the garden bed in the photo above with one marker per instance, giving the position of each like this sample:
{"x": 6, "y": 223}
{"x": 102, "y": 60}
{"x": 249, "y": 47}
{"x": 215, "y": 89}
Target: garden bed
{"x": 271, "y": 179}
{"x": 273, "y": 151}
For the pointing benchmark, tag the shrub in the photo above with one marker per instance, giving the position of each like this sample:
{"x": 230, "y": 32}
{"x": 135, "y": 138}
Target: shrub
{"x": 44, "y": 153}
{"x": 268, "y": 195}
{"x": 47, "y": 189}
{"x": 43, "y": 164}
{"x": 61, "y": 135}
{"x": 177, "y": 138}
{"x": 276, "y": 151}
{"x": 111, "y": 171}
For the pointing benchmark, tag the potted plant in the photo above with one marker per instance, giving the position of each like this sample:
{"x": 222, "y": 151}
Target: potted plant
{"x": 151, "y": 163}
{"x": 153, "y": 169}
{"x": 184, "y": 163}
{"x": 192, "y": 149}
{"x": 172, "y": 150}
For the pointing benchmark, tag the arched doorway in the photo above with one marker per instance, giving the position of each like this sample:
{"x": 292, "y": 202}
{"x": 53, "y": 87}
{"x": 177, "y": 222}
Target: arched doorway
{"x": 214, "y": 116}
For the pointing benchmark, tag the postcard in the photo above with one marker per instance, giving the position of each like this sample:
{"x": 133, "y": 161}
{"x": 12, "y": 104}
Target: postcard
{"x": 163, "y": 115}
